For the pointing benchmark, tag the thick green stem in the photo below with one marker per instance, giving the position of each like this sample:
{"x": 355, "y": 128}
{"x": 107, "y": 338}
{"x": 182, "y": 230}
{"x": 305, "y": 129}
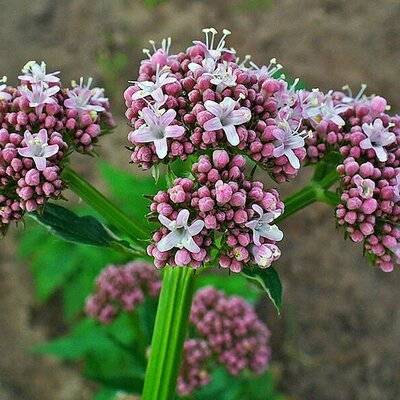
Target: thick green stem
{"x": 103, "y": 206}
{"x": 169, "y": 334}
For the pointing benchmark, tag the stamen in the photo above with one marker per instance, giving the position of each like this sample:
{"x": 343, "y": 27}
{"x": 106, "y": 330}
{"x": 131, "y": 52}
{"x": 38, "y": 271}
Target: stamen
{"x": 147, "y": 52}
{"x": 361, "y": 92}
{"x": 213, "y": 33}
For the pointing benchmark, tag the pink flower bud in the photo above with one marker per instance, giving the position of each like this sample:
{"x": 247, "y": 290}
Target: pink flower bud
{"x": 220, "y": 159}
{"x": 240, "y": 217}
{"x": 378, "y": 105}
{"x": 238, "y": 199}
{"x": 32, "y": 177}
{"x": 182, "y": 257}
{"x": 177, "y": 194}
{"x": 223, "y": 192}
{"x": 369, "y": 206}
{"x": 206, "y": 204}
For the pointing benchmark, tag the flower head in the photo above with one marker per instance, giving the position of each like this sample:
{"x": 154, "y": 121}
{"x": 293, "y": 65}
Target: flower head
{"x": 181, "y": 235}
{"x": 154, "y": 89}
{"x": 265, "y": 254}
{"x": 226, "y": 118}
{"x": 261, "y": 225}
{"x": 81, "y": 98}
{"x": 378, "y": 136}
{"x": 287, "y": 140}
{"x": 365, "y": 186}
{"x": 39, "y": 96}
{"x": 223, "y": 77}
{"x": 36, "y": 73}
{"x": 157, "y": 129}
{"x": 37, "y": 148}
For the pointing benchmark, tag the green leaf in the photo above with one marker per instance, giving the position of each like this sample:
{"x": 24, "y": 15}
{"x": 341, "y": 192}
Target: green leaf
{"x": 270, "y": 282}
{"x": 155, "y": 172}
{"x": 75, "y": 229}
{"x": 170, "y": 176}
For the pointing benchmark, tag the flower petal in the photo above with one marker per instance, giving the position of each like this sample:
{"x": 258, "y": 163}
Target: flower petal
{"x": 238, "y": 117}
{"x": 231, "y": 135}
{"x": 25, "y": 152}
{"x": 196, "y": 227}
{"x": 190, "y": 244}
{"x": 167, "y": 117}
{"x": 213, "y": 124}
{"x": 165, "y": 221}
{"x": 42, "y": 135}
{"x": 258, "y": 210}
{"x": 182, "y": 218}
{"x": 365, "y": 144}
{"x": 169, "y": 242}
{"x": 214, "y": 108}
{"x": 49, "y": 151}
{"x": 40, "y": 163}
{"x": 380, "y": 153}
{"x": 144, "y": 135}
{"x": 271, "y": 232}
{"x": 28, "y": 137}
{"x": 292, "y": 158}
{"x": 256, "y": 238}
{"x": 174, "y": 131}
{"x": 161, "y": 148}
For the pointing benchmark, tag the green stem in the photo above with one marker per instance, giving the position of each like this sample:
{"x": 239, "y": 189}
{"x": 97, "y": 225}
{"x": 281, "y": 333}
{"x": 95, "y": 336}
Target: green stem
{"x": 314, "y": 191}
{"x": 140, "y": 337}
{"x": 169, "y": 334}
{"x": 104, "y": 207}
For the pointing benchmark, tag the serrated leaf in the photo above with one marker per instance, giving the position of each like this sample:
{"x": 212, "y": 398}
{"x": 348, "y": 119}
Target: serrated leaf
{"x": 270, "y": 282}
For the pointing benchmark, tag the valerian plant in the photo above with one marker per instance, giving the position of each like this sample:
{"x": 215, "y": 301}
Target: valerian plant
{"x": 225, "y": 118}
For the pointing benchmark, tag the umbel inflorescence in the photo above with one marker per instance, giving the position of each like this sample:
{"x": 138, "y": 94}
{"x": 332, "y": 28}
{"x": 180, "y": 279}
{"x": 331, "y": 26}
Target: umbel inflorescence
{"x": 366, "y": 140}
{"x": 41, "y": 123}
{"x": 225, "y": 331}
{"x": 228, "y": 112}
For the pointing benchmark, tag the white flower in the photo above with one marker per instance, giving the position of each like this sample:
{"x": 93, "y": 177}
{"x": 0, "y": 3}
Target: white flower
{"x": 157, "y": 129}
{"x": 265, "y": 254}
{"x": 81, "y": 98}
{"x": 377, "y": 137}
{"x": 265, "y": 70}
{"x": 36, "y": 73}
{"x": 181, "y": 235}
{"x": 288, "y": 140}
{"x": 37, "y": 148}
{"x": 223, "y": 77}
{"x": 226, "y": 117}
{"x": 207, "y": 66}
{"x": 261, "y": 225}
{"x": 154, "y": 89}
{"x": 39, "y": 96}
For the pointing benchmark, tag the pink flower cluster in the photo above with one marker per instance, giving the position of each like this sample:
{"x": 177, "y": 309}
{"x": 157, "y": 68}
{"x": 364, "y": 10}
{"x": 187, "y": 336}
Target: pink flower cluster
{"x": 194, "y": 371}
{"x": 225, "y": 329}
{"x": 367, "y": 140}
{"x": 224, "y": 211}
{"x": 122, "y": 289}
{"x": 231, "y": 331}
{"x": 205, "y": 98}
{"x": 40, "y": 123}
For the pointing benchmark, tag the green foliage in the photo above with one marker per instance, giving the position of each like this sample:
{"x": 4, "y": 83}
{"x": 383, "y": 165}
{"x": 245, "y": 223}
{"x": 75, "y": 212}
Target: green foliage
{"x": 224, "y": 386}
{"x": 72, "y": 228}
{"x": 60, "y": 265}
{"x": 270, "y": 282}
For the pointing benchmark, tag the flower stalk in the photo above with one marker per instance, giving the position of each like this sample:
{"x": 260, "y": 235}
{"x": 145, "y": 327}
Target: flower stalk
{"x": 169, "y": 334}
{"x": 104, "y": 207}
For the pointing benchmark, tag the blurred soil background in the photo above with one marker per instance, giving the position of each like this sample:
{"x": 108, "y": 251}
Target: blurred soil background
{"x": 340, "y": 331}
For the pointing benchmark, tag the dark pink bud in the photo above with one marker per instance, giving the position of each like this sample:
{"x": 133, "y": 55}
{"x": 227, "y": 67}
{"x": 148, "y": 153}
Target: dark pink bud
{"x": 32, "y": 177}
{"x": 25, "y": 193}
{"x": 351, "y": 168}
